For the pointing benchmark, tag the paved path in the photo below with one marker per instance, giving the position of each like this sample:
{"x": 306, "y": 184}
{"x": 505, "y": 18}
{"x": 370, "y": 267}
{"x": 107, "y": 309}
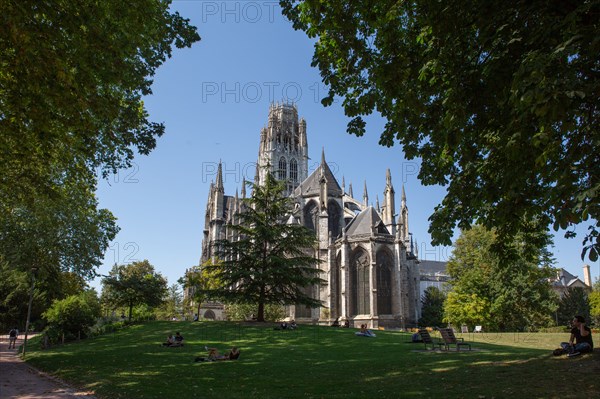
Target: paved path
{"x": 20, "y": 381}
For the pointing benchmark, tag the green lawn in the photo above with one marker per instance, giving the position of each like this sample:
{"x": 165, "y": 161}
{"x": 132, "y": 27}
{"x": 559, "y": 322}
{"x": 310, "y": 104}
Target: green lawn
{"x": 316, "y": 362}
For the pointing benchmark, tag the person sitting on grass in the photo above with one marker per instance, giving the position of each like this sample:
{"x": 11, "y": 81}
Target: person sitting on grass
{"x": 581, "y": 335}
{"x": 213, "y": 355}
{"x": 170, "y": 341}
{"x": 178, "y": 339}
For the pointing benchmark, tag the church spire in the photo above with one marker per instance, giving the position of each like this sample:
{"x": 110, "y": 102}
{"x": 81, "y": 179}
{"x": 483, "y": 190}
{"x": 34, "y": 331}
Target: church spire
{"x": 219, "y": 184}
{"x": 323, "y": 182}
{"x": 244, "y": 187}
{"x": 404, "y": 213}
{"x": 403, "y": 199}
{"x": 389, "y": 201}
{"x": 350, "y": 193}
{"x": 343, "y": 185}
{"x": 365, "y": 196}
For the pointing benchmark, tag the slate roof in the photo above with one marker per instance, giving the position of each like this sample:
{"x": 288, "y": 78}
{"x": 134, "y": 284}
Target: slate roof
{"x": 433, "y": 268}
{"x": 311, "y": 185}
{"x": 565, "y": 279}
{"x": 364, "y": 221}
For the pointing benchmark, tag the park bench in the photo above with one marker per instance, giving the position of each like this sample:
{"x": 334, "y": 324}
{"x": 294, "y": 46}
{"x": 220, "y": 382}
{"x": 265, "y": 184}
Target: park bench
{"x": 449, "y": 338}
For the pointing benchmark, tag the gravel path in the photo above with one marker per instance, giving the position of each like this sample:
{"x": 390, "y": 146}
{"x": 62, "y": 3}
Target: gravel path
{"x": 20, "y": 381}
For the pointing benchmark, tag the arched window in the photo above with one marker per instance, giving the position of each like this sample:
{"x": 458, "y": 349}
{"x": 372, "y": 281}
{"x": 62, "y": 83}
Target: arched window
{"x": 293, "y": 170}
{"x": 209, "y": 314}
{"x": 282, "y": 173}
{"x": 335, "y": 214}
{"x": 336, "y": 276}
{"x": 384, "y": 282}
{"x": 359, "y": 269}
{"x": 311, "y": 212}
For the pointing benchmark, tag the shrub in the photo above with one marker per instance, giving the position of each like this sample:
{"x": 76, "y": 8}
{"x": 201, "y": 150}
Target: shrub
{"x": 72, "y": 316}
{"x": 240, "y": 312}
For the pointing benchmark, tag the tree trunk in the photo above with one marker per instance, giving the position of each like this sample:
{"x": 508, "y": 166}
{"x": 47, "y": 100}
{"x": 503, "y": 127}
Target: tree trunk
{"x": 130, "y": 310}
{"x": 261, "y": 306}
{"x": 261, "y": 312}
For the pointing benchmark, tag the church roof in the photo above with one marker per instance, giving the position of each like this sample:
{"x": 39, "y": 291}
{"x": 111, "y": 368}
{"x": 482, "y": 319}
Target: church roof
{"x": 433, "y": 267}
{"x": 312, "y": 185}
{"x": 364, "y": 222}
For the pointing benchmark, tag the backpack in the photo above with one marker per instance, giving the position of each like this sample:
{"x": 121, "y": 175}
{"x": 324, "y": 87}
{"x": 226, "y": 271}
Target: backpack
{"x": 12, "y": 333}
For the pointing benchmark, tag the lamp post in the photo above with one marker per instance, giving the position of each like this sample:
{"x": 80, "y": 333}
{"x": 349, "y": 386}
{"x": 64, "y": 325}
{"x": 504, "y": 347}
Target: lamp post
{"x": 34, "y": 272}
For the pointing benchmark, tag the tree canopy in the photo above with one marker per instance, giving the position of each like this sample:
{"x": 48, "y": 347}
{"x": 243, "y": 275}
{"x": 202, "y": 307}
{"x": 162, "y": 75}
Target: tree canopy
{"x": 575, "y": 302}
{"x": 134, "y": 284}
{"x": 594, "y": 298}
{"x": 270, "y": 261}
{"x": 499, "y": 99}
{"x": 72, "y": 77}
{"x": 198, "y": 280}
{"x": 498, "y": 293}
{"x": 432, "y": 309}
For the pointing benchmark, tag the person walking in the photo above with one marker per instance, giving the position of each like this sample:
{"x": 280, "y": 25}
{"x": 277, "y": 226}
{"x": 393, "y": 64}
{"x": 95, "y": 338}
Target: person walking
{"x": 13, "y": 334}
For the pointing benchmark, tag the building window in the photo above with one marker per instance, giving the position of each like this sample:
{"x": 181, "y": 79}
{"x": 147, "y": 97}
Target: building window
{"x": 335, "y": 214}
{"x": 282, "y": 173}
{"x": 360, "y": 283}
{"x": 293, "y": 170}
{"x": 311, "y": 214}
{"x": 384, "y": 282}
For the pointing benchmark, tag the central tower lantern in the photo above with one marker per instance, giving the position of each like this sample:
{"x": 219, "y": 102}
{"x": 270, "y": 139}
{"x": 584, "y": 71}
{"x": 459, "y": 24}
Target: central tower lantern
{"x": 283, "y": 147}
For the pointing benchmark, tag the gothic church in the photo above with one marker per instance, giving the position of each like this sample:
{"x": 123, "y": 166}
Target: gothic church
{"x": 370, "y": 269}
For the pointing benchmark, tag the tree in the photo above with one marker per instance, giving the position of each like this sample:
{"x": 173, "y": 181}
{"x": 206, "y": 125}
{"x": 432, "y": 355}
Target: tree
{"x": 271, "y": 262}
{"x": 499, "y": 293}
{"x": 499, "y": 99}
{"x": 15, "y": 290}
{"x": 574, "y": 302}
{"x": 432, "y": 310}
{"x": 134, "y": 284}
{"x": 173, "y": 303}
{"x": 470, "y": 309}
{"x": 72, "y": 78}
{"x": 74, "y": 315}
{"x": 200, "y": 279}
{"x": 594, "y": 298}
{"x": 65, "y": 232}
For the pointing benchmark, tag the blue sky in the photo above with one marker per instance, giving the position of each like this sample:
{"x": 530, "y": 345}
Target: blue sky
{"x": 214, "y": 99}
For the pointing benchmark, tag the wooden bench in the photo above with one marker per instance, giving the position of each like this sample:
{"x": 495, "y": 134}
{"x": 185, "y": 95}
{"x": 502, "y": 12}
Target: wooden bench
{"x": 426, "y": 338}
{"x": 449, "y": 338}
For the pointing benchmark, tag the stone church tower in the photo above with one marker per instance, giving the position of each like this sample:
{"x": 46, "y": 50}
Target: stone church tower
{"x": 371, "y": 273}
{"x": 283, "y": 149}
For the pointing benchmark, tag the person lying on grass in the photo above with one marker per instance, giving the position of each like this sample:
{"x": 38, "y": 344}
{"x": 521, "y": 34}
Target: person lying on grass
{"x": 213, "y": 355}
{"x": 365, "y": 332}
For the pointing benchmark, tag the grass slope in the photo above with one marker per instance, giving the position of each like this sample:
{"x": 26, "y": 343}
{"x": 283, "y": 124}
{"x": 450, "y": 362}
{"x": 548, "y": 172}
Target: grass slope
{"x": 316, "y": 362}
